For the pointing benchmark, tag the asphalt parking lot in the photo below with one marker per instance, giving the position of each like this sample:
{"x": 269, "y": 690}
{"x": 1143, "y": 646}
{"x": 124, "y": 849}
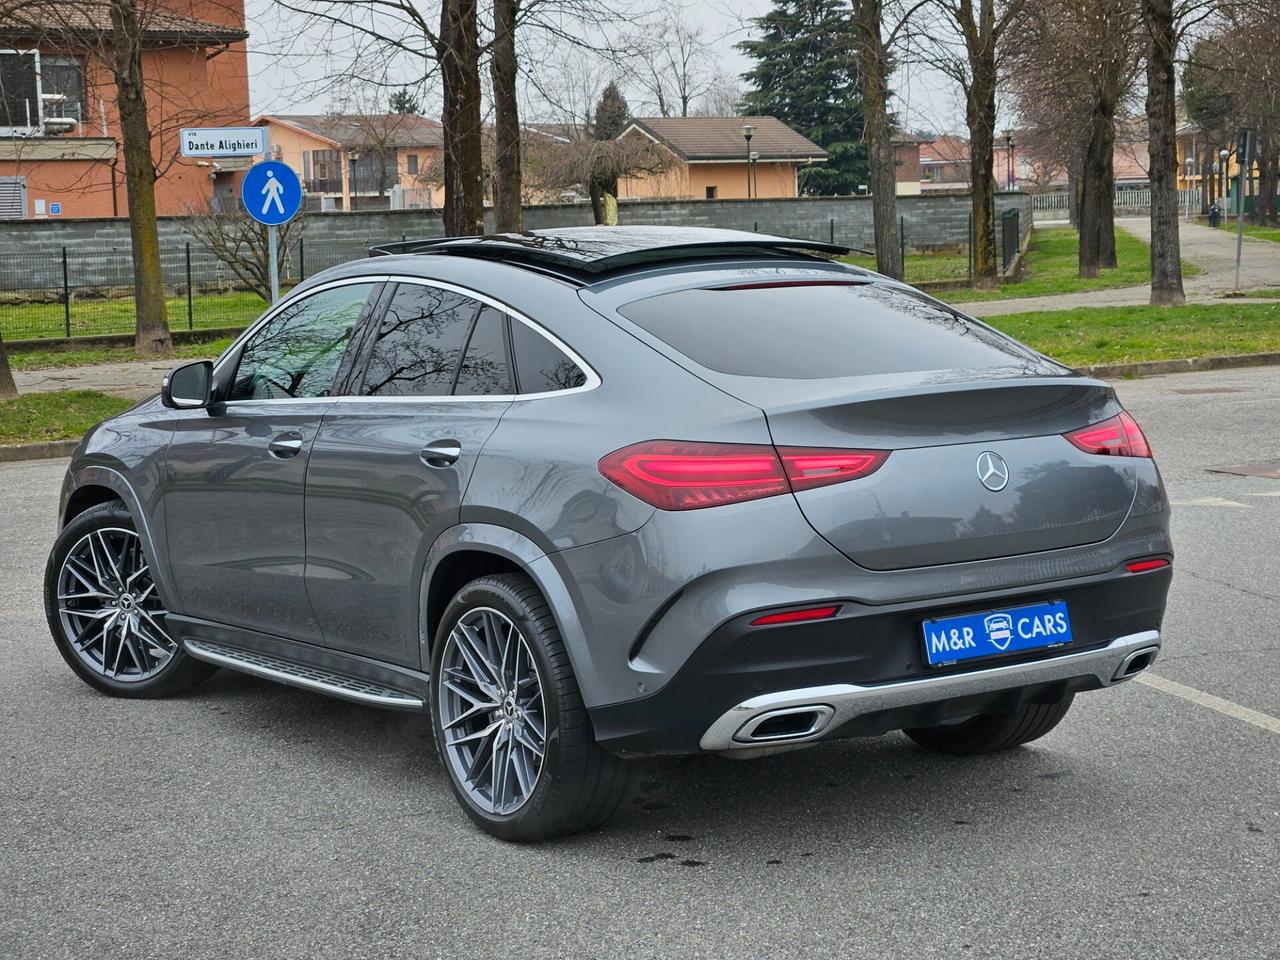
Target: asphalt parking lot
{"x": 249, "y": 820}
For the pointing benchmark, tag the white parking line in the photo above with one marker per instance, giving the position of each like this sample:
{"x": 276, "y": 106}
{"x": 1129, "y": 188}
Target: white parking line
{"x": 1209, "y": 502}
{"x": 1226, "y": 707}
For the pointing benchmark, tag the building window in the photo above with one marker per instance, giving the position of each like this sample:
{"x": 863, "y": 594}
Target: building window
{"x": 64, "y": 77}
{"x": 711, "y": 193}
{"x": 411, "y": 164}
{"x": 19, "y": 92}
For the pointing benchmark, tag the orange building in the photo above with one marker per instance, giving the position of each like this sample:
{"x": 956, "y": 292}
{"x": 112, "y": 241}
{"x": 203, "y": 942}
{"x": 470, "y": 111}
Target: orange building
{"x": 60, "y": 153}
{"x": 354, "y": 161}
{"x": 713, "y": 160}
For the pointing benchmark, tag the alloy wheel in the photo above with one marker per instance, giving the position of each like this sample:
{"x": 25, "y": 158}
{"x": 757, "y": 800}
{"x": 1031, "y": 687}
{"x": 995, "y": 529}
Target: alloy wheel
{"x": 492, "y": 713}
{"x": 110, "y": 612}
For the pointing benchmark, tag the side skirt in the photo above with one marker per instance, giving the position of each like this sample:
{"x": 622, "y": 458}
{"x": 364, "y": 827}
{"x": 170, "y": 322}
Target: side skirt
{"x": 304, "y": 665}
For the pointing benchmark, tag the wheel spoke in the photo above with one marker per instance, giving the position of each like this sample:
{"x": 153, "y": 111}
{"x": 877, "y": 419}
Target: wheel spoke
{"x": 490, "y": 697}
{"x": 110, "y": 613}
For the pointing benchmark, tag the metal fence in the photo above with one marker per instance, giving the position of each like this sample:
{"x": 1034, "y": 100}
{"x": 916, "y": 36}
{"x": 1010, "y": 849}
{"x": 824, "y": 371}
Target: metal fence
{"x": 76, "y": 293}
{"x": 1057, "y": 206}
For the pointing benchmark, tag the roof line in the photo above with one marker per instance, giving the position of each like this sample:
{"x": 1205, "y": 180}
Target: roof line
{"x": 293, "y": 126}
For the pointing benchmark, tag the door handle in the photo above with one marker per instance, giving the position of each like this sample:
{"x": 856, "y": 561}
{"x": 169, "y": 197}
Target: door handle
{"x": 286, "y": 445}
{"x": 441, "y": 453}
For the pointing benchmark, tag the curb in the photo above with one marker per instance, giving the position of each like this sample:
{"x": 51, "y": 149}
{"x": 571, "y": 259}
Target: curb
{"x": 1151, "y": 368}
{"x": 38, "y": 451}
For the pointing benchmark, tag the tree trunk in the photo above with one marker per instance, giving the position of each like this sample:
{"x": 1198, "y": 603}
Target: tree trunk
{"x": 151, "y": 334}
{"x": 873, "y": 67}
{"x": 1267, "y": 176}
{"x": 463, "y": 135}
{"x": 503, "y": 68}
{"x": 597, "y": 202}
{"x": 1166, "y": 256}
{"x": 7, "y": 387}
{"x": 980, "y": 114}
{"x": 1097, "y": 193}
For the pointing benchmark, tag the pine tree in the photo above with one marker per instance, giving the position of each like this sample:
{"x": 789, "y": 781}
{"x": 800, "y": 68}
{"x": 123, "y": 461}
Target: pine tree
{"x": 404, "y": 102}
{"x": 806, "y": 75}
{"x": 612, "y": 114}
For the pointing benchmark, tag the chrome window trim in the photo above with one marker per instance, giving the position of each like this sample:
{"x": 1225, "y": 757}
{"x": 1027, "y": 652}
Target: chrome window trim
{"x": 593, "y": 378}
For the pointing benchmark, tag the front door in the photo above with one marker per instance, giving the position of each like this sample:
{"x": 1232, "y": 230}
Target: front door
{"x": 236, "y": 473}
{"x": 389, "y": 469}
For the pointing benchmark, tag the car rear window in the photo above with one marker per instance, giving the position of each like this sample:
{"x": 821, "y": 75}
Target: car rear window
{"x": 813, "y": 331}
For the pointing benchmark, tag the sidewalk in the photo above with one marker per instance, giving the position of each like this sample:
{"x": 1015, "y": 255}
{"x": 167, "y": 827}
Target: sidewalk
{"x": 136, "y": 379}
{"x": 1213, "y": 251}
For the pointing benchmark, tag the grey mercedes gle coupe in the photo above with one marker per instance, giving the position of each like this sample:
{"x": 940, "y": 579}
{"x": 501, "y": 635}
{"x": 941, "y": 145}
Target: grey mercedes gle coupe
{"x": 596, "y": 494}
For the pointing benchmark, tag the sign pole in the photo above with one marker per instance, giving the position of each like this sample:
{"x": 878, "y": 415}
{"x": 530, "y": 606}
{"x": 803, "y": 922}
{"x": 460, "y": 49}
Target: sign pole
{"x": 272, "y": 232}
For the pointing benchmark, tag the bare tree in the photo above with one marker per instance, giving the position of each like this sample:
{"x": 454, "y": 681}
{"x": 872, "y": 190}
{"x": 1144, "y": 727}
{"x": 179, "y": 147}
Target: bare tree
{"x": 968, "y": 45}
{"x": 1074, "y": 64}
{"x": 240, "y": 242}
{"x": 876, "y": 39}
{"x": 504, "y": 70}
{"x": 671, "y": 61}
{"x": 576, "y": 165}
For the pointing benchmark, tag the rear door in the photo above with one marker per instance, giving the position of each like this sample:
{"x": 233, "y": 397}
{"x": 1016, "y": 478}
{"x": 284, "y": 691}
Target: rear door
{"x": 390, "y": 466}
{"x": 236, "y": 473}
{"x": 978, "y": 466}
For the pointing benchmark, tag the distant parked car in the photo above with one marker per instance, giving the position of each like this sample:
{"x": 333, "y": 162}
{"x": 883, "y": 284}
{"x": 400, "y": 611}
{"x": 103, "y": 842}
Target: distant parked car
{"x": 596, "y": 494}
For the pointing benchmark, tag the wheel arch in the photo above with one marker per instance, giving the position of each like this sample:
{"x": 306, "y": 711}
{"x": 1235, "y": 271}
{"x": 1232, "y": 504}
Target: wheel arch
{"x": 471, "y": 550}
{"x": 96, "y": 484}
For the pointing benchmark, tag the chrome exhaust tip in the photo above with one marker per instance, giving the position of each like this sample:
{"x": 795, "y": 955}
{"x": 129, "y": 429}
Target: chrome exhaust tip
{"x": 789, "y": 723}
{"x": 1135, "y": 663}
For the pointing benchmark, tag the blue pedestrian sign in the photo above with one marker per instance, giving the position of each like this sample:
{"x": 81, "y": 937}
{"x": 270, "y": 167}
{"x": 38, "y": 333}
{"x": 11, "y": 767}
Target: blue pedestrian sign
{"x": 271, "y": 192}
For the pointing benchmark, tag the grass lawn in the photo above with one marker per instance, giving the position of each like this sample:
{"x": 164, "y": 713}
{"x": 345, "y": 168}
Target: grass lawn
{"x": 1052, "y": 266}
{"x": 22, "y": 321}
{"x": 924, "y": 267}
{"x": 61, "y": 415}
{"x": 45, "y": 359}
{"x": 1133, "y": 334}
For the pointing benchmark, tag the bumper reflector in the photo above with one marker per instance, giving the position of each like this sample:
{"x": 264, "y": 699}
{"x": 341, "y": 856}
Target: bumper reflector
{"x": 796, "y": 616}
{"x": 1142, "y": 566}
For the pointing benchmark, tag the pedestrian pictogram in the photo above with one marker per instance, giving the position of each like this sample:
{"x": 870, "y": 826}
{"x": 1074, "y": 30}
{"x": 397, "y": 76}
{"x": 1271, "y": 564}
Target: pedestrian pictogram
{"x": 271, "y": 192}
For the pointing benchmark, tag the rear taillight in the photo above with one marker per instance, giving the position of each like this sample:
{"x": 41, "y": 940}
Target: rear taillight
{"x": 678, "y": 475}
{"x": 1118, "y": 437}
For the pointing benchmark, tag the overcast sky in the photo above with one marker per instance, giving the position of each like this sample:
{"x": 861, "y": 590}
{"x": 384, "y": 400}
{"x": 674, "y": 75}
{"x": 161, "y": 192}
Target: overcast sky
{"x": 286, "y": 69}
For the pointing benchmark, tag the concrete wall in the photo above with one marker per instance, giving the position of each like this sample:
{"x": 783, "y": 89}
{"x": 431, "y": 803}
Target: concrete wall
{"x": 98, "y": 250}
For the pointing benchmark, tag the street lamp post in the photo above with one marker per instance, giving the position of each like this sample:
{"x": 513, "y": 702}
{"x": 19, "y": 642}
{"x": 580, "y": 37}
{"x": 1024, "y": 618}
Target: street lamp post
{"x": 753, "y": 182}
{"x": 1223, "y": 154}
{"x": 1008, "y": 145}
{"x": 748, "y": 131}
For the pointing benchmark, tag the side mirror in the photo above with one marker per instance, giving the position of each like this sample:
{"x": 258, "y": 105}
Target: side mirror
{"x": 187, "y": 387}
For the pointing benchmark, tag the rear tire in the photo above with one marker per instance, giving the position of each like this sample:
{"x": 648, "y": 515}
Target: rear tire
{"x": 497, "y": 642}
{"x": 992, "y": 732}
{"x": 105, "y": 613}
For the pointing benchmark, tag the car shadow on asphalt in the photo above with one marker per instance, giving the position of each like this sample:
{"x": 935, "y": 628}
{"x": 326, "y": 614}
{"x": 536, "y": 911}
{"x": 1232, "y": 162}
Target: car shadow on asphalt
{"x": 854, "y": 792}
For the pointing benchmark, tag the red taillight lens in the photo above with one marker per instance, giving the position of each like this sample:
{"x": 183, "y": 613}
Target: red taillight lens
{"x": 679, "y": 475}
{"x": 1118, "y": 437}
{"x": 1142, "y": 566}
{"x": 796, "y": 616}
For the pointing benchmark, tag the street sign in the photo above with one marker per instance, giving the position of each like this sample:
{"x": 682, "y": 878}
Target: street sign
{"x": 271, "y": 192}
{"x": 223, "y": 141}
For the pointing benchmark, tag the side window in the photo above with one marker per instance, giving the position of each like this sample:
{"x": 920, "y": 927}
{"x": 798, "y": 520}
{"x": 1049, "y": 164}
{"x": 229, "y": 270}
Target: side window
{"x": 419, "y": 342}
{"x": 484, "y": 368}
{"x": 297, "y": 352}
{"x": 541, "y": 366}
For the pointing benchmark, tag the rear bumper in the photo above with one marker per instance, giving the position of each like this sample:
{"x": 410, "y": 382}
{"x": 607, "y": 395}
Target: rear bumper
{"x": 802, "y": 716}
{"x": 869, "y": 667}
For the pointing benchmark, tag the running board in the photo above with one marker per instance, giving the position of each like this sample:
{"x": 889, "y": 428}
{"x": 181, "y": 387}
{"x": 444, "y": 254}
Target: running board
{"x": 302, "y": 675}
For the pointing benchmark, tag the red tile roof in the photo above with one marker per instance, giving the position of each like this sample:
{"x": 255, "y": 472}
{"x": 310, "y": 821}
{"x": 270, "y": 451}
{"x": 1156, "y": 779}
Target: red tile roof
{"x": 353, "y": 130}
{"x": 720, "y": 138}
{"x": 50, "y": 19}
